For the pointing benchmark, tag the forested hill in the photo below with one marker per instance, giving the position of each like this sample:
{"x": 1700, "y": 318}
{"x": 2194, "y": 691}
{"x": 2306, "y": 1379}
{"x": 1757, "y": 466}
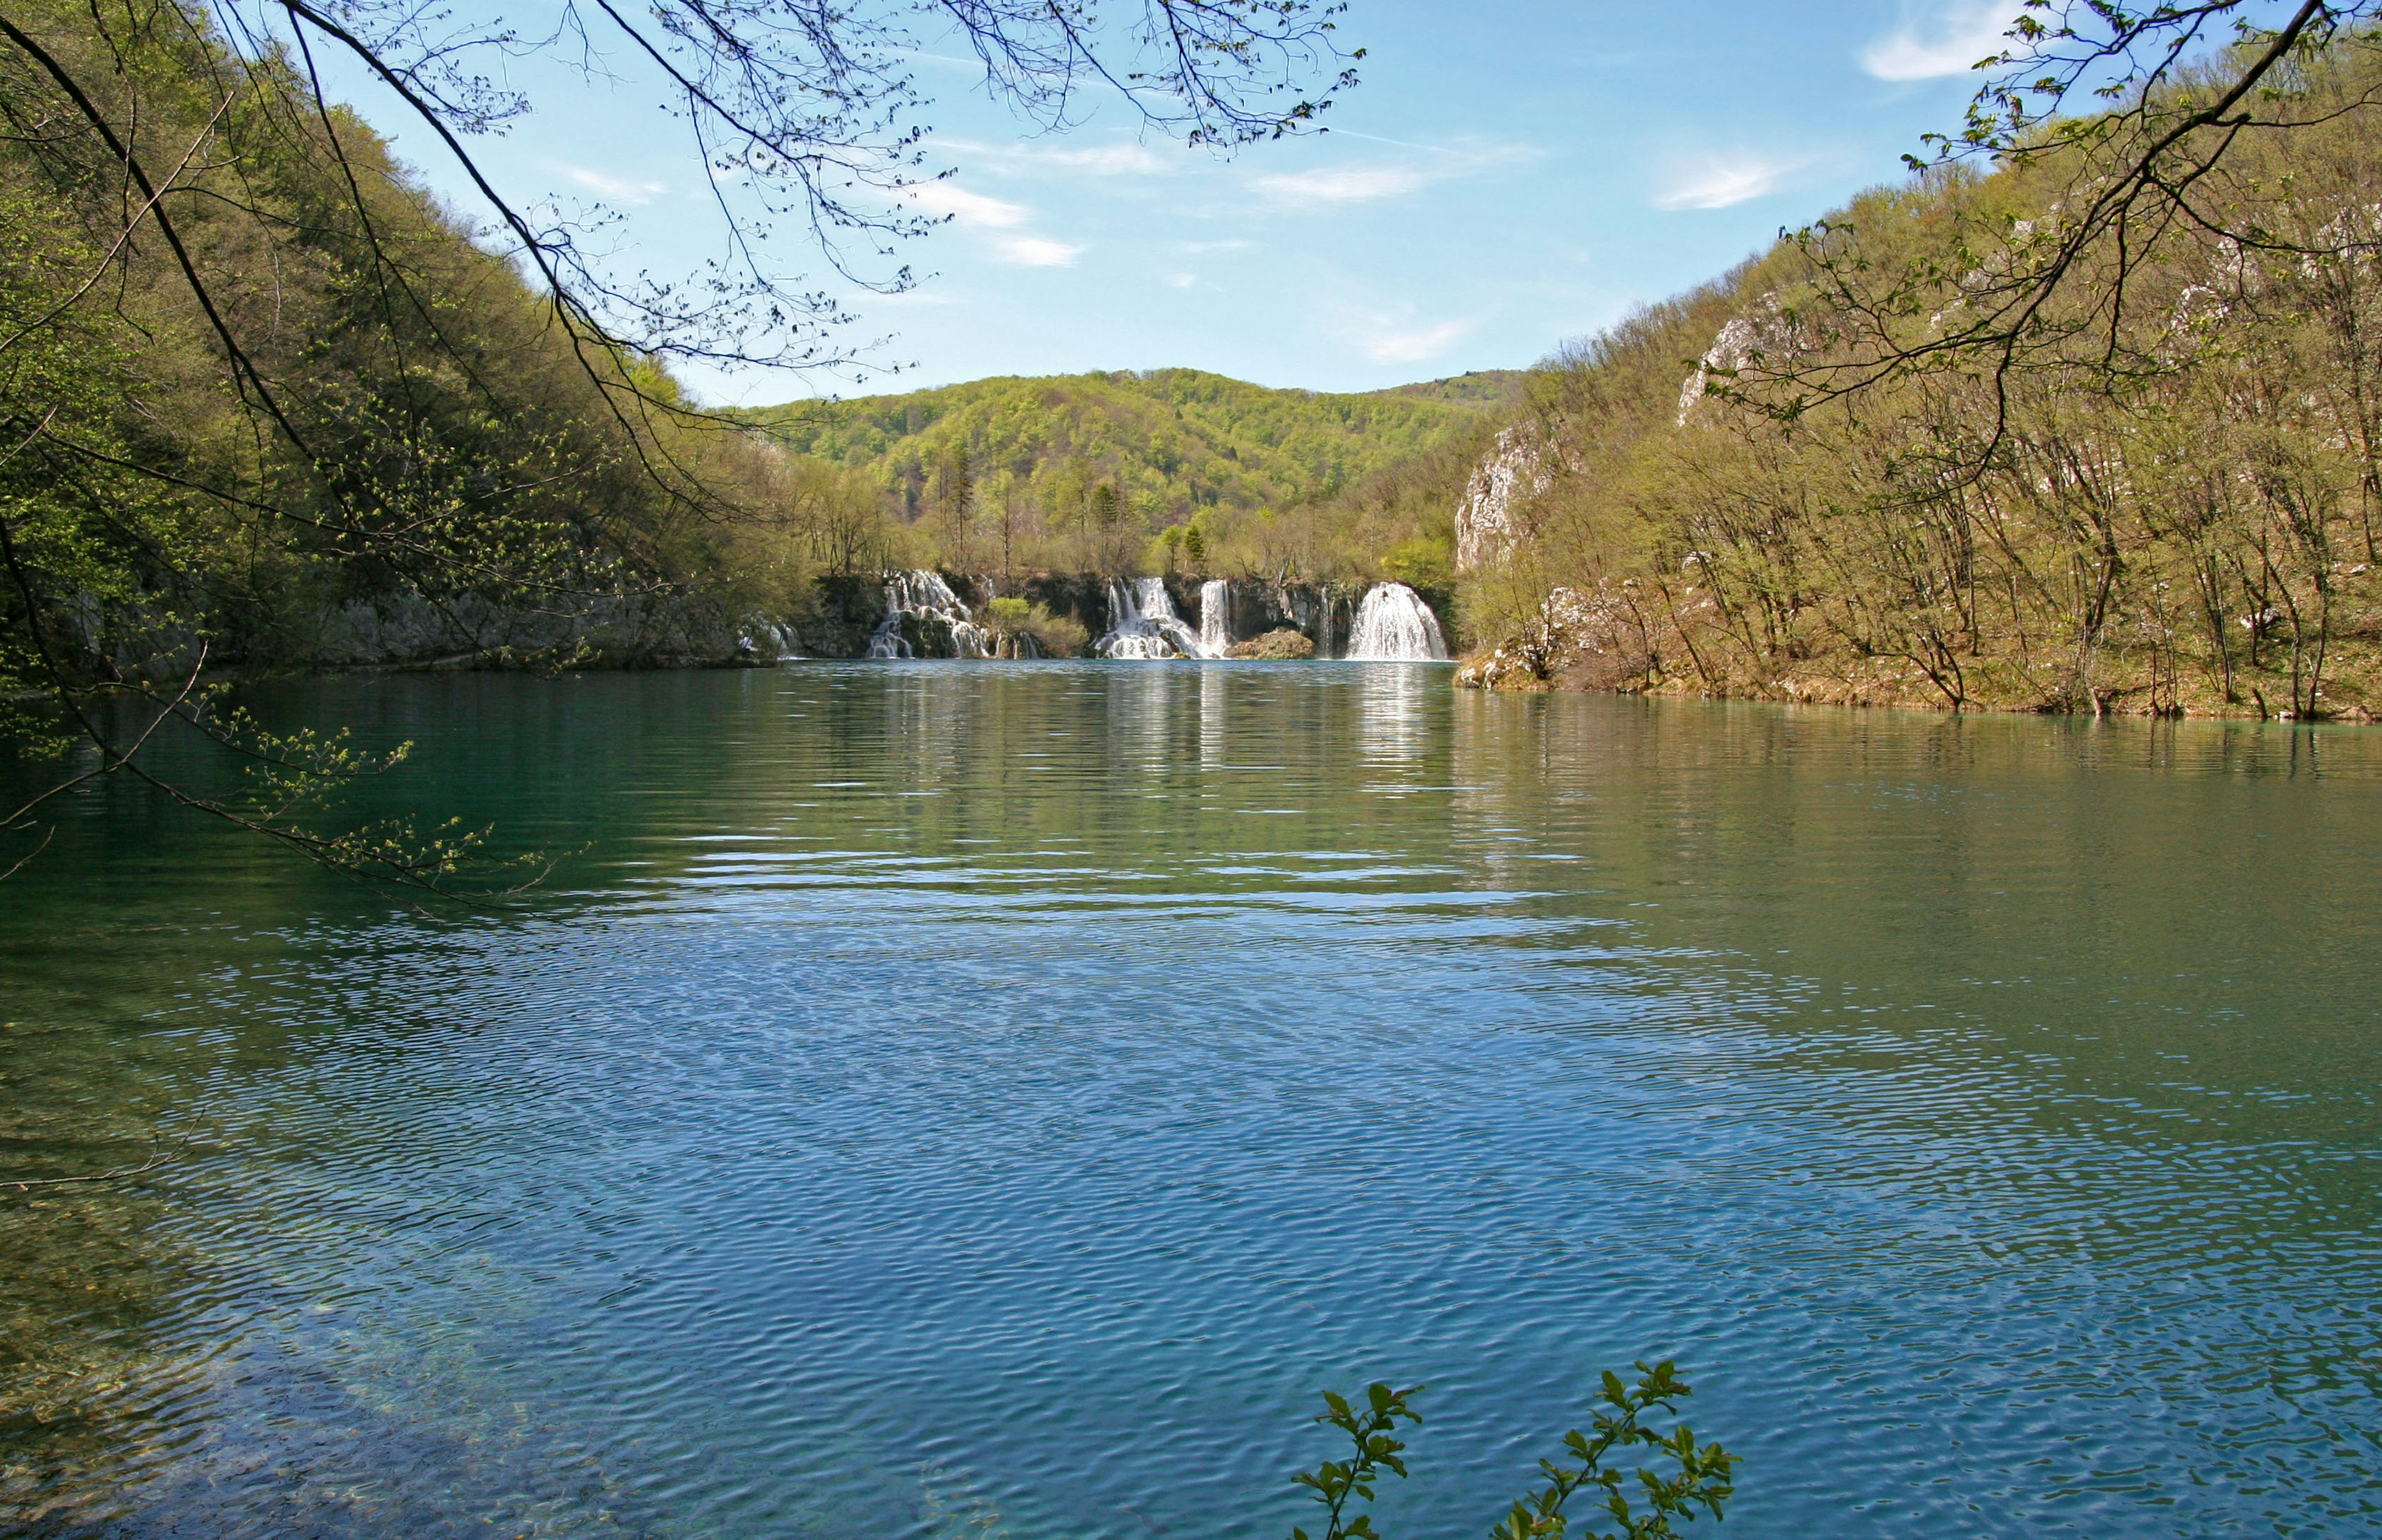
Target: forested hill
{"x": 1171, "y": 441}
{"x": 1959, "y": 445}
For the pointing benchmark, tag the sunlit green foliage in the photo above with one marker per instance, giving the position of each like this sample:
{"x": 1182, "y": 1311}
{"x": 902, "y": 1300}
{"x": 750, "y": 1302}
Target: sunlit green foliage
{"x": 1690, "y": 1477}
{"x": 282, "y": 384}
{"x": 2158, "y": 496}
{"x": 1084, "y": 473}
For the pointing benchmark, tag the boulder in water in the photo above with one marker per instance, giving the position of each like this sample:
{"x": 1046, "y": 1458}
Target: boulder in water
{"x": 1284, "y": 646}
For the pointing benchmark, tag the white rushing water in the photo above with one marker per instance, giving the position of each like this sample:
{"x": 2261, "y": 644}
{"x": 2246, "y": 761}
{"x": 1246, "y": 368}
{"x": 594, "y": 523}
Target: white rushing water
{"x": 1216, "y": 616}
{"x": 1394, "y": 626}
{"x": 1142, "y": 624}
{"x": 926, "y": 595}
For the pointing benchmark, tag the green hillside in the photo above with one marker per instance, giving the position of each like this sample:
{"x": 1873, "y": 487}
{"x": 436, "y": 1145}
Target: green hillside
{"x": 2157, "y": 490}
{"x": 1474, "y": 388}
{"x": 1173, "y": 441}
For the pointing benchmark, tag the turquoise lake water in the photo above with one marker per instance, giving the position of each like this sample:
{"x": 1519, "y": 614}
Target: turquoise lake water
{"x": 935, "y": 1099}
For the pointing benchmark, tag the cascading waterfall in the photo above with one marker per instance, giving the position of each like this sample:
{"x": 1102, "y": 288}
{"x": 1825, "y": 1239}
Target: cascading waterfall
{"x": 1142, "y": 624}
{"x": 1216, "y": 616}
{"x": 1394, "y": 626}
{"x": 924, "y": 595}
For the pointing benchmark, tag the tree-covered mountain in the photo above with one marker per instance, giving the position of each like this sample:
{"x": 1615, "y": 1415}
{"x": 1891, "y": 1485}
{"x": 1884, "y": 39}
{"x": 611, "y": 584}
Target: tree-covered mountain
{"x": 1170, "y": 441}
{"x": 1086, "y": 471}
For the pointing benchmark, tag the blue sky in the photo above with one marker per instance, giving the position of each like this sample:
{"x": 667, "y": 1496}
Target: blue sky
{"x": 1506, "y": 176}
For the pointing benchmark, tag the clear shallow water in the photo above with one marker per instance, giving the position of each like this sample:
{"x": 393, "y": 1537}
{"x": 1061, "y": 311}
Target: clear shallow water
{"x": 958, "y": 1101}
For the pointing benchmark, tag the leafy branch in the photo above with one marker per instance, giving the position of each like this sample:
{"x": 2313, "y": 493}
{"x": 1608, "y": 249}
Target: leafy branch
{"x": 1702, "y": 1480}
{"x": 1690, "y": 1478}
{"x": 1370, "y": 1429}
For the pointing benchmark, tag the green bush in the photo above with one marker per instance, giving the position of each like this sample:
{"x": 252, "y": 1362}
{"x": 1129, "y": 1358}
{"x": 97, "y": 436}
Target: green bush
{"x": 1056, "y": 635}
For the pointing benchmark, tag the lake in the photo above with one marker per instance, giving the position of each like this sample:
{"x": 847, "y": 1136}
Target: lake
{"x": 935, "y": 1099}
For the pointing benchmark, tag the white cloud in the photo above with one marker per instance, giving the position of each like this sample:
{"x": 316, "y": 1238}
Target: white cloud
{"x": 1183, "y": 280}
{"x": 614, "y": 188}
{"x": 966, "y": 207}
{"x": 1109, "y": 160}
{"x": 1334, "y": 185}
{"x": 1036, "y": 252}
{"x": 980, "y": 212}
{"x": 1948, "y": 42}
{"x": 1347, "y": 184}
{"x": 1123, "y": 158}
{"x": 1415, "y": 344}
{"x": 1718, "y": 182}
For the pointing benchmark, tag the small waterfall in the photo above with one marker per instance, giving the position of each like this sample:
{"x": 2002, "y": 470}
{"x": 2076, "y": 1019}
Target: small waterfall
{"x": 925, "y": 596}
{"x": 1142, "y": 624}
{"x": 1216, "y": 616}
{"x": 1394, "y": 625}
{"x": 760, "y": 637}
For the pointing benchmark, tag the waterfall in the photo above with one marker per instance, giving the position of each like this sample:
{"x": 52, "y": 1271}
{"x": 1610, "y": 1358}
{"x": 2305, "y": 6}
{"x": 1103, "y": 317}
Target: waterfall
{"x": 923, "y": 595}
{"x": 1216, "y": 616}
{"x": 1142, "y": 624}
{"x": 1394, "y": 625}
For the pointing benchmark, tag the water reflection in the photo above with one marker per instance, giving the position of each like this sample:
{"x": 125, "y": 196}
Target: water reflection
{"x": 1139, "y": 1049}
{"x": 1396, "y": 710}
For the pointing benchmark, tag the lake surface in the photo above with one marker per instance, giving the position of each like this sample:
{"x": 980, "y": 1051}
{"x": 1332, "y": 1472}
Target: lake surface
{"x": 949, "y": 1100}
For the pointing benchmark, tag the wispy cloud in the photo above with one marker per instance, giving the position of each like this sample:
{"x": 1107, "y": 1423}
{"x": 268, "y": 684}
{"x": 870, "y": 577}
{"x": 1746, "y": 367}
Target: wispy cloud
{"x": 979, "y": 211}
{"x": 617, "y": 188}
{"x": 1396, "y": 342}
{"x": 1345, "y": 184}
{"x": 1123, "y": 158}
{"x": 1036, "y": 252}
{"x": 1722, "y": 181}
{"x": 1332, "y": 185}
{"x": 966, "y": 207}
{"x": 1109, "y": 160}
{"x": 1948, "y": 39}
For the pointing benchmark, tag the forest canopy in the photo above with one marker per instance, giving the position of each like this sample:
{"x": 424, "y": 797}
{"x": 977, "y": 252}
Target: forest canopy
{"x": 1085, "y": 473}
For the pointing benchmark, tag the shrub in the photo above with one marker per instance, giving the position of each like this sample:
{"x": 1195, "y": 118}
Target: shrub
{"x": 1055, "y": 636}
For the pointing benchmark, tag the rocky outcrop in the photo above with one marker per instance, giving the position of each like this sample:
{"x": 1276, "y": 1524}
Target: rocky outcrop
{"x": 1599, "y": 641}
{"x": 1766, "y": 335}
{"x": 1490, "y": 515}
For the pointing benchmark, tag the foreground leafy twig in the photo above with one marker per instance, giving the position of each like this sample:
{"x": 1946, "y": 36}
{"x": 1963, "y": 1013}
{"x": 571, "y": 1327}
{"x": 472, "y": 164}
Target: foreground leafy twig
{"x": 1703, "y": 1480}
{"x": 1701, "y": 1483}
{"x": 1370, "y": 1428}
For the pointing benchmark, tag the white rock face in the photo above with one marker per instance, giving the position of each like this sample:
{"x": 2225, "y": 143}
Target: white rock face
{"x": 1489, "y": 517}
{"x": 1767, "y": 330}
{"x": 1730, "y": 351}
